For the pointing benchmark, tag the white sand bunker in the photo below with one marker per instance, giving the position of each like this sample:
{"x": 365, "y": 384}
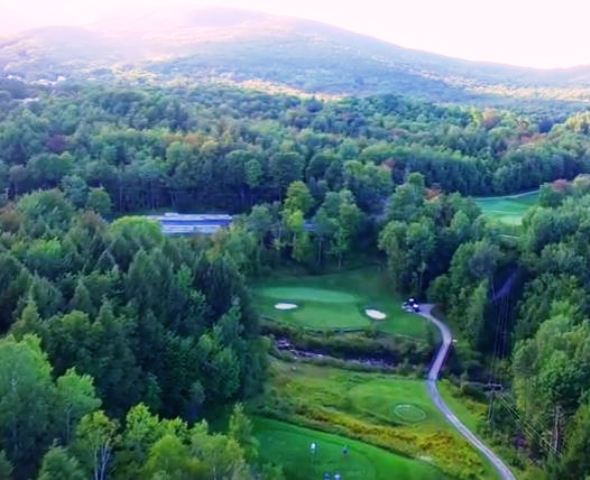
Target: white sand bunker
{"x": 286, "y": 306}
{"x": 375, "y": 314}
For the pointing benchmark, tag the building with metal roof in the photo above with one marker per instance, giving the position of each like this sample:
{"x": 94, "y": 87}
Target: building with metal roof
{"x": 191, "y": 224}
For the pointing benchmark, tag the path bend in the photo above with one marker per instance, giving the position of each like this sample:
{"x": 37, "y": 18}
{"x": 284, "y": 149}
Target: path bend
{"x": 433, "y": 374}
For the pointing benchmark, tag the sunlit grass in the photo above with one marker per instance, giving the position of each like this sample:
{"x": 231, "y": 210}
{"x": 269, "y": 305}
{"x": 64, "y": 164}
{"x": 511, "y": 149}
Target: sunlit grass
{"x": 289, "y": 445}
{"x": 338, "y": 301}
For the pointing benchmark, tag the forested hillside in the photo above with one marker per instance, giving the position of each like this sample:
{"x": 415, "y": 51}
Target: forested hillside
{"x": 242, "y": 47}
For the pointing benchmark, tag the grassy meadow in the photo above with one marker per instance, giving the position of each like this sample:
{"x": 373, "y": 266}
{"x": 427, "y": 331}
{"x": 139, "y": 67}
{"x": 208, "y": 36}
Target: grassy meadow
{"x": 338, "y": 301}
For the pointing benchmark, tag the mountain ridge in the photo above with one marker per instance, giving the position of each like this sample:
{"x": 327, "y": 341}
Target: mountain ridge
{"x": 241, "y": 45}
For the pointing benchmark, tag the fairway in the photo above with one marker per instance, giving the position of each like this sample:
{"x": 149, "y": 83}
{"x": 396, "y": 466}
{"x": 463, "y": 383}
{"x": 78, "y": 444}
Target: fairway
{"x": 305, "y": 294}
{"x": 338, "y": 301}
{"x": 508, "y": 209}
{"x": 289, "y": 445}
{"x": 388, "y": 411}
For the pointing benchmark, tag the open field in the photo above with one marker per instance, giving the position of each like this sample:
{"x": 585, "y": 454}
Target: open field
{"x": 508, "y": 209}
{"x": 338, "y": 301}
{"x": 391, "y": 412}
{"x": 289, "y": 445}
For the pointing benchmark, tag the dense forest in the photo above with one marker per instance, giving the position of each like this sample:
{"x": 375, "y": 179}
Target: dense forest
{"x": 89, "y": 341}
{"x": 230, "y": 149}
{"x": 106, "y": 375}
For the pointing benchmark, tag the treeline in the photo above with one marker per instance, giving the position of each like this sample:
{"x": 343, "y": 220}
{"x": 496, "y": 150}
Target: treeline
{"x": 520, "y": 304}
{"x": 222, "y": 148}
{"x": 107, "y": 316}
{"x": 60, "y": 424}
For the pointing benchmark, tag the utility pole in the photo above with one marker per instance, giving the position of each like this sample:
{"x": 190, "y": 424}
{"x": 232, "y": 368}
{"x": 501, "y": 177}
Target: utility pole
{"x": 556, "y": 433}
{"x": 491, "y": 409}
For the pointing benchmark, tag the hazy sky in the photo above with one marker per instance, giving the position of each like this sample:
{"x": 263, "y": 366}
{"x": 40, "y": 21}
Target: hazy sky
{"x": 539, "y": 33}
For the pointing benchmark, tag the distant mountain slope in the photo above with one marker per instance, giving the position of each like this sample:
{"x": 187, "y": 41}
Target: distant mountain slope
{"x": 48, "y": 52}
{"x": 237, "y": 45}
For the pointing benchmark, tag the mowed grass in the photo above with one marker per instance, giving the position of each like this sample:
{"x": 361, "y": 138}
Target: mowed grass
{"x": 338, "y": 301}
{"x": 508, "y": 209}
{"x": 394, "y": 413}
{"x": 289, "y": 445}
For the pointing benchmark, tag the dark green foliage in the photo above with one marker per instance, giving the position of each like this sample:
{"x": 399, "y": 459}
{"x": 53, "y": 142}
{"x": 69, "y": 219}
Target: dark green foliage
{"x": 99, "y": 201}
{"x": 423, "y": 234}
{"x": 106, "y": 147}
{"x": 140, "y": 317}
{"x": 14, "y": 283}
{"x": 6, "y": 467}
{"x": 576, "y": 463}
{"x": 34, "y": 409}
{"x": 57, "y": 463}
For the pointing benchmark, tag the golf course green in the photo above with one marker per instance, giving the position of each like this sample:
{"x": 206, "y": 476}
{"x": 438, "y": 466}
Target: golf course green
{"x": 337, "y": 301}
{"x": 508, "y": 209}
{"x": 382, "y": 410}
{"x": 389, "y": 422}
{"x": 290, "y": 446}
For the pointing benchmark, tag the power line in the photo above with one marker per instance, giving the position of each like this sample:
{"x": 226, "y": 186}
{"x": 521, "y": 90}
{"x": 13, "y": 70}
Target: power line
{"x": 524, "y": 425}
{"x": 499, "y": 351}
{"x": 528, "y": 427}
{"x": 557, "y": 427}
{"x": 555, "y": 443}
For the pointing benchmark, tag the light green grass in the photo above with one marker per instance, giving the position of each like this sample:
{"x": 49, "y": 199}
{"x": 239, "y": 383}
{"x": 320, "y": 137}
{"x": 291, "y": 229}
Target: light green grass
{"x": 469, "y": 411}
{"x": 338, "y": 301}
{"x": 508, "y": 209}
{"x": 409, "y": 413}
{"x": 307, "y": 294}
{"x": 365, "y": 406}
{"x": 289, "y": 445}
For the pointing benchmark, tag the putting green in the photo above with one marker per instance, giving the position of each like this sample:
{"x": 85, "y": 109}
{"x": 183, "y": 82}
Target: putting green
{"x": 303, "y": 294}
{"x": 338, "y": 301}
{"x": 390, "y": 401}
{"x": 409, "y": 413}
{"x": 289, "y": 445}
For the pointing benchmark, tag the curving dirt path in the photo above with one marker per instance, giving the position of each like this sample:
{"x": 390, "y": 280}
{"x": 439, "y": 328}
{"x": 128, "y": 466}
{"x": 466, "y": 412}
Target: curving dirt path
{"x": 433, "y": 374}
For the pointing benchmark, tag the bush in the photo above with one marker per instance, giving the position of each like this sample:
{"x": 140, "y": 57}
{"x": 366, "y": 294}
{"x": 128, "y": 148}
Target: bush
{"x": 358, "y": 345}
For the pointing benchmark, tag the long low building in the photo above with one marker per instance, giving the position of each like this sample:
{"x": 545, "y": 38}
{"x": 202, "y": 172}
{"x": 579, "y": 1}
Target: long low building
{"x": 192, "y": 224}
